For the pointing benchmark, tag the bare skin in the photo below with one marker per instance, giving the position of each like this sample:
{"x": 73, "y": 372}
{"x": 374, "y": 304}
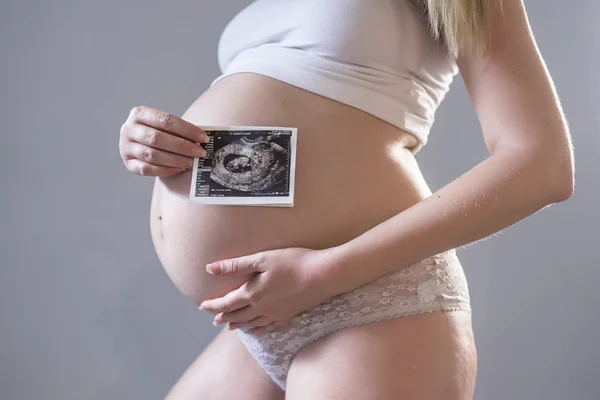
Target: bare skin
{"x": 343, "y": 188}
{"x": 353, "y": 172}
{"x": 360, "y": 362}
{"x": 428, "y": 356}
{"x": 225, "y": 370}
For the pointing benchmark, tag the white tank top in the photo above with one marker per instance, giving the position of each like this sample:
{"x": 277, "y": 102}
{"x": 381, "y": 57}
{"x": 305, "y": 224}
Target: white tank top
{"x": 374, "y": 55}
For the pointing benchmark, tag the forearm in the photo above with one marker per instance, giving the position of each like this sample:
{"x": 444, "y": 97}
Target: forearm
{"x": 496, "y": 193}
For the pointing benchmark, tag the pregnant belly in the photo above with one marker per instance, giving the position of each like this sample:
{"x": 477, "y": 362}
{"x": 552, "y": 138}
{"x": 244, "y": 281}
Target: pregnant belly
{"x": 353, "y": 171}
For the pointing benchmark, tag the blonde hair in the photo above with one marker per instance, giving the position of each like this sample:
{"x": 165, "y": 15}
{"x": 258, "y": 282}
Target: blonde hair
{"x": 463, "y": 25}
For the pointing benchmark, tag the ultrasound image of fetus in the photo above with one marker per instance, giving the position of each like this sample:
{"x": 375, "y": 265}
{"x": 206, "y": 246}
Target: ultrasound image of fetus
{"x": 250, "y": 165}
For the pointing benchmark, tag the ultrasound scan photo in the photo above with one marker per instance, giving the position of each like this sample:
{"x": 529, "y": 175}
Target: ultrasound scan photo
{"x": 246, "y": 166}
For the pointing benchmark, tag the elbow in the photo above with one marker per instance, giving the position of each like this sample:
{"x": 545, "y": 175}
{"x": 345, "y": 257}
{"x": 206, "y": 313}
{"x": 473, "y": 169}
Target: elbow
{"x": 560, "y": 177}
{"x": 563, "y": 193}
{"x": 550, "y": 165}
{"x": 551, "y": 173}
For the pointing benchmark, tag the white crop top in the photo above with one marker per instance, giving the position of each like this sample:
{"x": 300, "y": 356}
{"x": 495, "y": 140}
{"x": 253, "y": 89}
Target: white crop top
{"x": 375, "y": 55}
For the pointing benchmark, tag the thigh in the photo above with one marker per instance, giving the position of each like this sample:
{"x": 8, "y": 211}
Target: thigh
{"x": 425, "y": 357}
{"x": 225, "y": 370}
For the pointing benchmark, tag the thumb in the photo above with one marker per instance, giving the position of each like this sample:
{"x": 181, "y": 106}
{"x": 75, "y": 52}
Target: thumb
{"x": 234, "y": 266}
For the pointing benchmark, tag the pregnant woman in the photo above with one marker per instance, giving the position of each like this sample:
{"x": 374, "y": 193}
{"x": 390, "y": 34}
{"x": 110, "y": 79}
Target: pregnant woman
{"x": 356, "y": 291}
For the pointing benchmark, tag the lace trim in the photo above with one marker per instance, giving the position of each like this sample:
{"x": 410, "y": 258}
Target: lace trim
{"x": 437, "y": 283}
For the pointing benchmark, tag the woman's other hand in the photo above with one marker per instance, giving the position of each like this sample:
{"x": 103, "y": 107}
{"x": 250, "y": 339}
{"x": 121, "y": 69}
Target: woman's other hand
{"x": 287, "y": 282}
{"x": 155, "y": 143}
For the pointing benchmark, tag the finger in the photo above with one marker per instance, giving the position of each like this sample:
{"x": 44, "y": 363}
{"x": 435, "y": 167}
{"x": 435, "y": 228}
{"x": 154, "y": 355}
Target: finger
{"x": 159, "y": 157}
{"x": 164, "y": 141}
{"x": 167, "y": 122}
{"x": 268, "y": 328}
{"x": 143, "y": 168}
{"x": 237, "y": 266}
{"x": 257, "y": 322}
{"x": 232, "y": 301}
{"x": 242, "y": 315}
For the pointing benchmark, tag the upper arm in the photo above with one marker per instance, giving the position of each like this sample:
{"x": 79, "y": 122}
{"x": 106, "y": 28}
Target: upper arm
{"x": 511, "y": 90}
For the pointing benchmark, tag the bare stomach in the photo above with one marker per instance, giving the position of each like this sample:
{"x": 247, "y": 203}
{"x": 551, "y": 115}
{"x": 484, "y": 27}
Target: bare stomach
{"x": 353, "y": 171}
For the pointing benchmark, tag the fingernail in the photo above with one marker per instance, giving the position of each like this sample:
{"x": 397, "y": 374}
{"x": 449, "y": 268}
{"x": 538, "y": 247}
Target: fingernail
{"x": 198, "y": 152}
{"x": 213, "y": 269}
{"x": 216, "y": 323}
{"x": 207, "y": 138}
{"x": 206, "y": 304}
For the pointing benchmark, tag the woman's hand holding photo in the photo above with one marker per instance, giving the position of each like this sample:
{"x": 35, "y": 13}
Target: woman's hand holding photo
{"x": 155, "y": 143}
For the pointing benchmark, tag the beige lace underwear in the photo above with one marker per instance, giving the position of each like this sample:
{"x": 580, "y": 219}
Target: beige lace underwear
{"x": 433, "y": 284}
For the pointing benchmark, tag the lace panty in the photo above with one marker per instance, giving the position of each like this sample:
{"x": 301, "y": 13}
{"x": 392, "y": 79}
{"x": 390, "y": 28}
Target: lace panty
{"x": 433, "y": 284}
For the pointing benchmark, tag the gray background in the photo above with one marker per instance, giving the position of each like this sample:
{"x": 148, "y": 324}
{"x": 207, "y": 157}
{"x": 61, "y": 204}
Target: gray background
{"x": 87, "y": 312}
